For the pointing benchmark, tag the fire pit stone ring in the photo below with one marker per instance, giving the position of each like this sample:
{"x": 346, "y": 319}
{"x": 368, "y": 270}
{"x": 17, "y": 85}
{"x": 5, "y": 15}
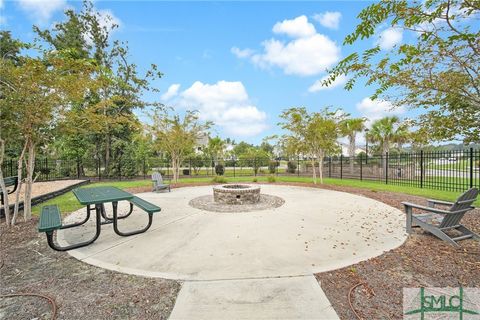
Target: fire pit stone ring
{"x": 236, "y": 194}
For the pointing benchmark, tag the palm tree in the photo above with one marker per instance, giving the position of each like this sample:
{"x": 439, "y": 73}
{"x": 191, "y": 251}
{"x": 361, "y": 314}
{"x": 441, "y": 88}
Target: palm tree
{"x": 386, "y": 132}
{"x": 349, "y": 128}
{"x": 216, "y": 147}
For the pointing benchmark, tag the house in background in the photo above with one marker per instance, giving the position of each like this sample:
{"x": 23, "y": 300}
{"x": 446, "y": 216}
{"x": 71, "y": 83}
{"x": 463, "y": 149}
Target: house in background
{"x": 345, "y": 147}
{"x": 202, "y": 142}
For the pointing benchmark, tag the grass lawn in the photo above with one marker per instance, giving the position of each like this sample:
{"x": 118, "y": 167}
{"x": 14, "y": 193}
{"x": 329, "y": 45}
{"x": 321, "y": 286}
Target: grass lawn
{"x": 68, "y": 203}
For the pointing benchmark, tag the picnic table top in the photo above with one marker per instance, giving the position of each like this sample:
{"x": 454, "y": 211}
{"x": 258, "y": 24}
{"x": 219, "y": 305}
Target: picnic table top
{"x": 97, "y": 195}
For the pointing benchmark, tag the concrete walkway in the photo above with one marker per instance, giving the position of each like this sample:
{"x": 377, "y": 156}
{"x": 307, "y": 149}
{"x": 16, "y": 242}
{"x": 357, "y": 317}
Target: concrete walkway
{"x": 270, "y": 298}
{"x": 247, "y": 265}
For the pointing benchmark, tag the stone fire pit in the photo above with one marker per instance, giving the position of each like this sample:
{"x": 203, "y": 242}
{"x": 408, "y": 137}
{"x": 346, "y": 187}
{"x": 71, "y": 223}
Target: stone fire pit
{"x": 236, "y": 194}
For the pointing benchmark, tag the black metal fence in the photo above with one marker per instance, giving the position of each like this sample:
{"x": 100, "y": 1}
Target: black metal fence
{"x": 445, "y": 170}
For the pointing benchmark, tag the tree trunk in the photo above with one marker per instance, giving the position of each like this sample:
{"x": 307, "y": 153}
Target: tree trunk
{"x": 320, "y": 166}
{"x": 177, "y": 170}
{"x": 314, "y": 171}
{"x": 19, "y": 187}
{"x": 6, "y": 207}
{"x": 351, "y": 151}
{"x": 175, "y": 167}
{"x": 27, "y": 204}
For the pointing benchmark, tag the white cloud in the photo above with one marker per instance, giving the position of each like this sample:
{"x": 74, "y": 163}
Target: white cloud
{"x": 226, "y": 104}
{"x": 296, "y": 28}
{"x": 2, "y": 3}
{"x": 376, "y": 109}
{"x": 41, "y": 10}
{"x": 245, "y": 53}
{"x": 328, "y": 19}
{"x": 317, "y": 85}
{"x": 303, "y": 57}
{"x": 389, "y": 38}
{"x": 172, "y": 91}
{"x": 308, "y": 54}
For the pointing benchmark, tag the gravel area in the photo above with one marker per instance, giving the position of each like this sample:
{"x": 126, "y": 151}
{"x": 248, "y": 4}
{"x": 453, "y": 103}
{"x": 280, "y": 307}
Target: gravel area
{"x": 266, "y": 202}
{"x": 40, "y": 188}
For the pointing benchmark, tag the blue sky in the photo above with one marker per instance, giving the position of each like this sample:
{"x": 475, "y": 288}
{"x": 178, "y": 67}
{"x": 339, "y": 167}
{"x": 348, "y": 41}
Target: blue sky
{"x": 239, "y": 63}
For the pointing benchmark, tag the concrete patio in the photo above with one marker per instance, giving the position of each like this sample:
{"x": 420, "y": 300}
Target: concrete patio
{"x": 246, "y": 265}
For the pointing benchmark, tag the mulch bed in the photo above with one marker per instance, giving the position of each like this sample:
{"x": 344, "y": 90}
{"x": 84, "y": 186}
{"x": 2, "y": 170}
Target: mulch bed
{"x": 422, "y": 261}
{"x": 81, "y": 291}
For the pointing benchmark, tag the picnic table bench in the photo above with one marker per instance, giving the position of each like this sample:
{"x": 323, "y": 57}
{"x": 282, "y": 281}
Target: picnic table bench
{"x": 9, "y": 182}
{"x": 94, "y": 199}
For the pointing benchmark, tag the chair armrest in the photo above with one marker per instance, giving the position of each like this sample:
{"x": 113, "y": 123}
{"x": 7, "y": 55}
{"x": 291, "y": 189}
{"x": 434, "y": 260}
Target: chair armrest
{"x": 433, "y": 202}
{"x": 429, "y": 209}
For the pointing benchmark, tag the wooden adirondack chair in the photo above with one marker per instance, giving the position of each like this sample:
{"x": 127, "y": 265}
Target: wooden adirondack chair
{"x": 438, "y": 221}
{"x": 158, "y": 183}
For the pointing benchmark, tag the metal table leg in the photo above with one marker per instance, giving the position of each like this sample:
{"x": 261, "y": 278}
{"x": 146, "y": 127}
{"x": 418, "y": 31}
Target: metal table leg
{"x": 76, "y": 224}
{"x": 104, "y": 213}
{"x": 126, "y": 234}
{"x": 54, "y": 246}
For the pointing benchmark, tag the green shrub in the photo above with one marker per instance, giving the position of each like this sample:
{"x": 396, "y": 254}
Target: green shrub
{"x": 271, "y": 179}
{"x": 219, "y": 169}
{"x": 219, "y": 179}
{"x": 255, "y": 180}
{"x": 291, "y": 166}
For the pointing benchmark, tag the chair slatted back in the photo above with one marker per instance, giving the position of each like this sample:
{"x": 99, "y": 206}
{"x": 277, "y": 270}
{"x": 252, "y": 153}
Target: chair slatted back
{"x": 464, "y": 202}
{"x": 157, "y": 177}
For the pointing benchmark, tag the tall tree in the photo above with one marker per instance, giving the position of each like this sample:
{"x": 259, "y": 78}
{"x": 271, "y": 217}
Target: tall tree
{"x": 9, "y": 56}
{"x": 177, "y": 135}
{"x": 106, "y": 117}
{"x": 385, "y": 132}
{"x": 439, "y": 71}
{"x": 312, "y": 134}
{"x": 215, "y": 149}
{"x": 37, "y": 90}
{"x": 349, "y": 128}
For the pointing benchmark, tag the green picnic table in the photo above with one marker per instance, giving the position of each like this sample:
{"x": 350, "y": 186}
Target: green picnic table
{"x": 95, "y": 199}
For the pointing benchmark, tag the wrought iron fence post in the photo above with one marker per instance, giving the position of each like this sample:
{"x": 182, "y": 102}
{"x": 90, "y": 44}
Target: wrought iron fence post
{"x": 361, "y": 167}
{"x": 99, "y": 163}
{"x": 341, "y": 166}
{"x": 298, "y": 166}
{"x": 386, "y": 167}
{"x": 234, "y": 163}
{"x": 330, "y": 166}
{"x": 144, "y": 169}
{"x": 46, "y": 168}
{"x": 255, "y": 166}
{"x": 78, "y": 168}
{"x": 11, "y": 167}
{"x": 471, "y": 167}
{"x": 421, "y": 168}
{"x": 120, "y": 168}
{"x": 190, "y": 167}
